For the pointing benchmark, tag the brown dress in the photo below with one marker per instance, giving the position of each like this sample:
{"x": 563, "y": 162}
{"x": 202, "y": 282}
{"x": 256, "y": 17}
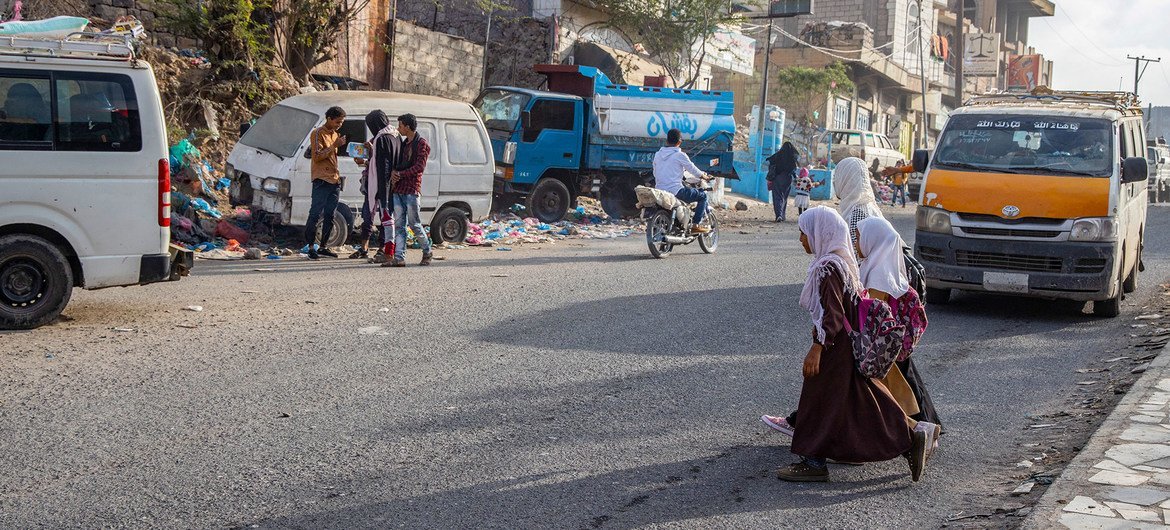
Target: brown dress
{"x": 844, "y": 415}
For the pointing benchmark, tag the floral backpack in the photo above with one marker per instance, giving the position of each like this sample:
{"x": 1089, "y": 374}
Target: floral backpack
{"x": 910, "y": 312}
{"x": 878, "y": 337}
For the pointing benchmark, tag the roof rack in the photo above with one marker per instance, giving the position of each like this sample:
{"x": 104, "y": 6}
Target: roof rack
{"x": 81, "y": 45}
{"x": 1124, "y": 101}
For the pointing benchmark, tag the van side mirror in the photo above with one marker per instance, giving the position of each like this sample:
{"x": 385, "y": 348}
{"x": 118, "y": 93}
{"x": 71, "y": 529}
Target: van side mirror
{"x": 1161, "y": 160}
{"x": 526, "y": 119}
{"x": 920, "y": 160}
{"x": 1135, "y": 169}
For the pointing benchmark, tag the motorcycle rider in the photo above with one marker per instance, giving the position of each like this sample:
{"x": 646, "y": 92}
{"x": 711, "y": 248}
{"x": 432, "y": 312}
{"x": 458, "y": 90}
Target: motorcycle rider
{"x": 670, "y": 164}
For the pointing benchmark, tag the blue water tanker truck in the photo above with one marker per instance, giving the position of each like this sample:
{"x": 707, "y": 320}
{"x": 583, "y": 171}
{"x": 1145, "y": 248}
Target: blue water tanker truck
{"x": 588, "y": 136}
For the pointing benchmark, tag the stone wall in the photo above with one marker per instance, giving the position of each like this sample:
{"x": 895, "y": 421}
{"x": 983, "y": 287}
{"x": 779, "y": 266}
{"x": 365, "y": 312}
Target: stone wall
{"x": 436, "y": 64}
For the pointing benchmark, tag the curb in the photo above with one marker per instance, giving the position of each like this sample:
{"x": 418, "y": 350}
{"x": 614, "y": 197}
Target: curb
{"x": 1046, "y": 513}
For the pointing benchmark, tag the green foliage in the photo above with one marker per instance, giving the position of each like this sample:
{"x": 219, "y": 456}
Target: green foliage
{"x": 236, "y": 33}
{"x": 804, "y": 83}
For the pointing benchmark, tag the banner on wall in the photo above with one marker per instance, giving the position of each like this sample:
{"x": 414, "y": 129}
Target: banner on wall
{"x": 1023, "y": 72}
{"x": 981, "y": 54}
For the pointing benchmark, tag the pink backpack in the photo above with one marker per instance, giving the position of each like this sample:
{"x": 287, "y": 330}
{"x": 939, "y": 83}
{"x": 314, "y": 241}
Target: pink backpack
{"x": 878, "y": 337}
{"x": 911, "y": 314}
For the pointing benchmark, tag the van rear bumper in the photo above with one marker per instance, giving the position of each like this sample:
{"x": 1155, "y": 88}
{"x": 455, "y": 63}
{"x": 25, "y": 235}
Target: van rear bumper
{"x": 1066, "y": 270}
{"x": 165, "y": 267}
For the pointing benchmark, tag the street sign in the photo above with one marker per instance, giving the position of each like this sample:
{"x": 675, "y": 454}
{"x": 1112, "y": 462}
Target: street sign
{"x": 790, "y": 8}
{"x": 981, "y": 54}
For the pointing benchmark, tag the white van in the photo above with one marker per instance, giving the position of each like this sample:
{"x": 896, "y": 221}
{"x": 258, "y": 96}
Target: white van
{"x": 85, "y": 183}
{"x": 269, "y": 171}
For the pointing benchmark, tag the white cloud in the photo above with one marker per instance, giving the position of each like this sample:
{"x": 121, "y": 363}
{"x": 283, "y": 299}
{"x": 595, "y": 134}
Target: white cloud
{"x": 1088, "y": 41}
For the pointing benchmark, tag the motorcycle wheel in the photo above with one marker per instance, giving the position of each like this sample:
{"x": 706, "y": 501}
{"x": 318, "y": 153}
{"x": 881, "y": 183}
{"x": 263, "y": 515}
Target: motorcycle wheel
{"x": 657, "y": 227}
{"x": 710, "y": 241}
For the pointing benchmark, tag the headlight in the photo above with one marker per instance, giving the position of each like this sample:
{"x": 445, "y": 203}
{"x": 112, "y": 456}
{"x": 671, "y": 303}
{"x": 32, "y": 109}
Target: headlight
{"x": 273, "y": 185}
{"x": 1094, "y": 229}
{"x": 509, "y": 153}
{"x": 933, "y": 220}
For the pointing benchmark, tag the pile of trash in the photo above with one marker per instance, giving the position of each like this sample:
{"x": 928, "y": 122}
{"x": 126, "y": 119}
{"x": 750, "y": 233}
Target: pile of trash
{"x": 202, "y": 218}
{"x": 587, "y": 221}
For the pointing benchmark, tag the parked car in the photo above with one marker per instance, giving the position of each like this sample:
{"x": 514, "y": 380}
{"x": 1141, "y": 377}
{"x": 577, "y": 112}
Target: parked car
{"x": 866, "y": 145}
{"x": 269, "y": 173}
{"x": 85, "y": 184}
{"x": 1158, "y": 157}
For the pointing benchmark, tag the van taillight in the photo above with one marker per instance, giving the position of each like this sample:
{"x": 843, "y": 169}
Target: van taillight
{"x": 164, "y": 192}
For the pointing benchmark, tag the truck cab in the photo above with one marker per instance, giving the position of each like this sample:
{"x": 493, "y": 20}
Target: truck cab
{"x": 589, "y": 136}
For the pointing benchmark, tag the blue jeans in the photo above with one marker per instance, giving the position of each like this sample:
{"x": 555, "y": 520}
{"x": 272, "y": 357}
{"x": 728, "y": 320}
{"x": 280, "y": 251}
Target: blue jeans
{"x": 899, "y": 191}
{"x": 325, "y": 196}
{"x": 689, "y": 195}
{"x": 406, "y": 214}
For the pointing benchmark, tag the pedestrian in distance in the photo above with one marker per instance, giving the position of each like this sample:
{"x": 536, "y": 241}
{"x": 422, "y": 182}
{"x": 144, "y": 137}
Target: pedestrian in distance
{"x": 323, "y": 146}
{"x": 898, "y": 176}
{"x": 842, "y": 414}
{"x": 375, "y": 186}
{"x": 406, "y": 185}
{"x": 802, "y": 190}
{"x": 782, "y": 169}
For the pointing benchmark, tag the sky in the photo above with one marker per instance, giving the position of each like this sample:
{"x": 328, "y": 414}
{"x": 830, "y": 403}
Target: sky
{"x": 1088, "y": 41}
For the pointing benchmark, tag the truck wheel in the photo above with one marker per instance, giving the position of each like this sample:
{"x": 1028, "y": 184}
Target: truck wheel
{"x": 549, "y": 200}
{"x": 938, "y": 295}
{"x": 342, "y": 226}
{"x": 36, "y": 282}
{"x": 1110, "y": 308}
{"x": 619, "y": 201}
{"x": 449, "y": 225}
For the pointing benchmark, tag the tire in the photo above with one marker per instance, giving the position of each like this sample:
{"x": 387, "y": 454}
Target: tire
{"x": 938, "y": 295}
{"x": 36, "y": 282}
{"x": 449, "y": 226}
{"x": 657, "y": 227}
{"x": 549, "y": 200}
{"x": 709, "y": 242}
{"x": 1110, "y": 308}
{"x": 618, "y": 199}
{"x": 1130, "y": 283}
{"x": 342, "y": 226}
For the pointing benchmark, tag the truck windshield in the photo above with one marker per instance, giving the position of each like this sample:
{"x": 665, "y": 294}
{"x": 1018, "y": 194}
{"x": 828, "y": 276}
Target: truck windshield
{"x": 1005, "y": 143}
{"x": 500, "y": 109}
{"x": 280, "y": 131}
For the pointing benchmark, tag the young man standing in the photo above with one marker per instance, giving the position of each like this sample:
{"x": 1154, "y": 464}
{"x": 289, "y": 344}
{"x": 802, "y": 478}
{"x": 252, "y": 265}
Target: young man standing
{"x": 406, "y": 184}
{"x": 324, "y": 143}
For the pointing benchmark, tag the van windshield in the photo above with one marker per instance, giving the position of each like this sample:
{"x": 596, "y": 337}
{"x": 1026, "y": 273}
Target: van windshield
{"x": 1004, "y": 143}
{"x": 280, "y": 131}
{"x": 500, "y": 109}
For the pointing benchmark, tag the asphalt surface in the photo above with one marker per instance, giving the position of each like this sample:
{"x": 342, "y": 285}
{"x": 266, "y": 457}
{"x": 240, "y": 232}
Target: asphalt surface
{"x": 581, "y": 384}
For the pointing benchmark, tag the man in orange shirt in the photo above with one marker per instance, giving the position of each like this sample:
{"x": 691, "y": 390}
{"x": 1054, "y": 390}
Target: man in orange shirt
{"x": 324, "y": 143}
{"x": 899, "y": 177}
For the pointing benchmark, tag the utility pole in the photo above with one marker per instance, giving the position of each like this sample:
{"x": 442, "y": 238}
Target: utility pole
{"x": 1139, "y": 70}
{"x": 958, "y": 48}
{"x": 761, "y": 119}
{"x": 922, "y": 75}
{"x": 487, "y": 41}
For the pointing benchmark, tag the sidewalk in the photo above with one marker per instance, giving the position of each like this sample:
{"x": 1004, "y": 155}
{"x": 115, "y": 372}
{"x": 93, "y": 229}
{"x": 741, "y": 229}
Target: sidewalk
{"x": 1121, "y": 478}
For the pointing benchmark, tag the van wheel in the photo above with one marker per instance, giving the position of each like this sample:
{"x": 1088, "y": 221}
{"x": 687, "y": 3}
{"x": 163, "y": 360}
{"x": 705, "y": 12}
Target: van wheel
{"x": 449, "y": 226}
{"x": 1110, "y": 308}
{"x": 342, "y": 226}
{"x": 36, "y": 282}
{"x": 938, "y": 295}
{"x": 549, "y": 200}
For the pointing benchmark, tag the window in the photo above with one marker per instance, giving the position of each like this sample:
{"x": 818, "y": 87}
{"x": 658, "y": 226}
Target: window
{"x": 846, "y": 138}
{"x": 863, "y": 121}
{"x": 1030, "y": 144}
{"x": 841, "y": 114}
{"x": 280, "y": 131}
{"x": 870, "y": 141}
{"x": 549, "y": 114}
{"x": 1126, "y": 141}
{"x": 884, "y": 142}
{"x": 25, "y": 120}
{"x": 500, "y": 109}
{"x": 96, "y": 112}
{"x": 353, "y": 131}
{"x": 464, "y": 145}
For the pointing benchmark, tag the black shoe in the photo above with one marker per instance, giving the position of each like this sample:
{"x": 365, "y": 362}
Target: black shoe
{"x": 802, "y": 472}
{"x": 426, "y": 259}
{"x": 359, "y": 254}
{"x": 920, "y": 444}
{"x": 313, "y": 255}
{"x": 326, "y": 252}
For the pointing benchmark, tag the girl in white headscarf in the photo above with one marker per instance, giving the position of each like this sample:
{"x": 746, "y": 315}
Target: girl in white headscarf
{"x": 852, "y": 187}
{"x": 842, "y": 414}
{"x": 883, "y": 273}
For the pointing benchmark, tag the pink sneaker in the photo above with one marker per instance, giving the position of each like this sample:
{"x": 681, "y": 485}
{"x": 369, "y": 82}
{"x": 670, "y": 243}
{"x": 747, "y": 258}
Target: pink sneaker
{"x": 779, "y": 423}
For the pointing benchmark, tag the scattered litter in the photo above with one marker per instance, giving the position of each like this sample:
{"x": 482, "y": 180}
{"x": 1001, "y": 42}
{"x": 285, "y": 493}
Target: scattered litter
{"x": 373, "y": 330}
{"x": 1138, "y": 325}
{"x": 124, "y": 330}
{"x": 253, "y": 253}
{"x": 194, "y": 308}
{"x": 504, "y": 249}
{"x": 1115, "y": 359}
{"x": 186, "y": 326}
{"x": 274, "y": 256}
{"x": 1090, "y": 370}
{"x": 283, "y": 415}
{"x": 1087, "y": 383}
{"x": 1140, "y": 369}
{"x": 250, "y": 292}
{"x": 1024, "y": 464}
{"x": 1042, "y": 425}
{"x": 499, "y": 276}
{"x": 384, "y": 310}
{"x": 311, "y": 302}
{"x": 263, "y": 270}
{"x": 1153, "y": 316}
{"x": 1023, "y": 489}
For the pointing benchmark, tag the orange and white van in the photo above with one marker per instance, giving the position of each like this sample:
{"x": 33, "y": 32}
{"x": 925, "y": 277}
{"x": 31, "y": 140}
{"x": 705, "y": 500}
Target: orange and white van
{"x": 1040, "y": 194}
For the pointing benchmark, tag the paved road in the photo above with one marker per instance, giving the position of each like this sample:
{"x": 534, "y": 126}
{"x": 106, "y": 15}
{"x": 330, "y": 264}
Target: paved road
{"x": 577, "y": 385}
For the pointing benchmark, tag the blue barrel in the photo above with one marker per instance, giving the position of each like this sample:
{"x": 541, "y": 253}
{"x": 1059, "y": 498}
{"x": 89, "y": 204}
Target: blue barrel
{"x": 823, "y": 192}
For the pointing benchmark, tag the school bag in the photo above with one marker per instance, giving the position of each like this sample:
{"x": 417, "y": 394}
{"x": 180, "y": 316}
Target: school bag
{"x": 910, "y": 312}
{"x": 877, "y": 336}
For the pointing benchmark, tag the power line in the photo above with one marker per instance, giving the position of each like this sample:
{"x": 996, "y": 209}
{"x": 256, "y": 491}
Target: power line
{"x": 1074, "y": 48}
{"x": 1083, "y": 34}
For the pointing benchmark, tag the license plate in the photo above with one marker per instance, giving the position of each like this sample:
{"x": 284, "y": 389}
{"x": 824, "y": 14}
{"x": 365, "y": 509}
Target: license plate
{"x": 1005, "y": 282}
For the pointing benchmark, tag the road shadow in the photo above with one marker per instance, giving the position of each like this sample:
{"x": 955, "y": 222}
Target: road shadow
{"x": 691, "y": 322}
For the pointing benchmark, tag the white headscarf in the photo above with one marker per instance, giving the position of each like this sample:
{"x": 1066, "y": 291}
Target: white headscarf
{"x": 884, "y": 268}
{"x": 828, "y": 237}
{"x": 851, "y": 184}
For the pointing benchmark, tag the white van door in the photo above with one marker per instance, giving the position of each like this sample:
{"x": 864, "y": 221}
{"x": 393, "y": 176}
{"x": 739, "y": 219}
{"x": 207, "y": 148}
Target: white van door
{"x": 433, "y": 175}
{"x": 467, "y": 169}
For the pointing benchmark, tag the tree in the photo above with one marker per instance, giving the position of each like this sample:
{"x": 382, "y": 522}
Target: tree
{"x": 233, "y": 32}
{"x": 675, "y": 33}
{"x": 312, "y": 28}
{"x": 804, "y": 86}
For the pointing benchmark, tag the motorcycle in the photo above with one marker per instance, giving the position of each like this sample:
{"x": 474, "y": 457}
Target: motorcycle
{"x": 668, "y": 221}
